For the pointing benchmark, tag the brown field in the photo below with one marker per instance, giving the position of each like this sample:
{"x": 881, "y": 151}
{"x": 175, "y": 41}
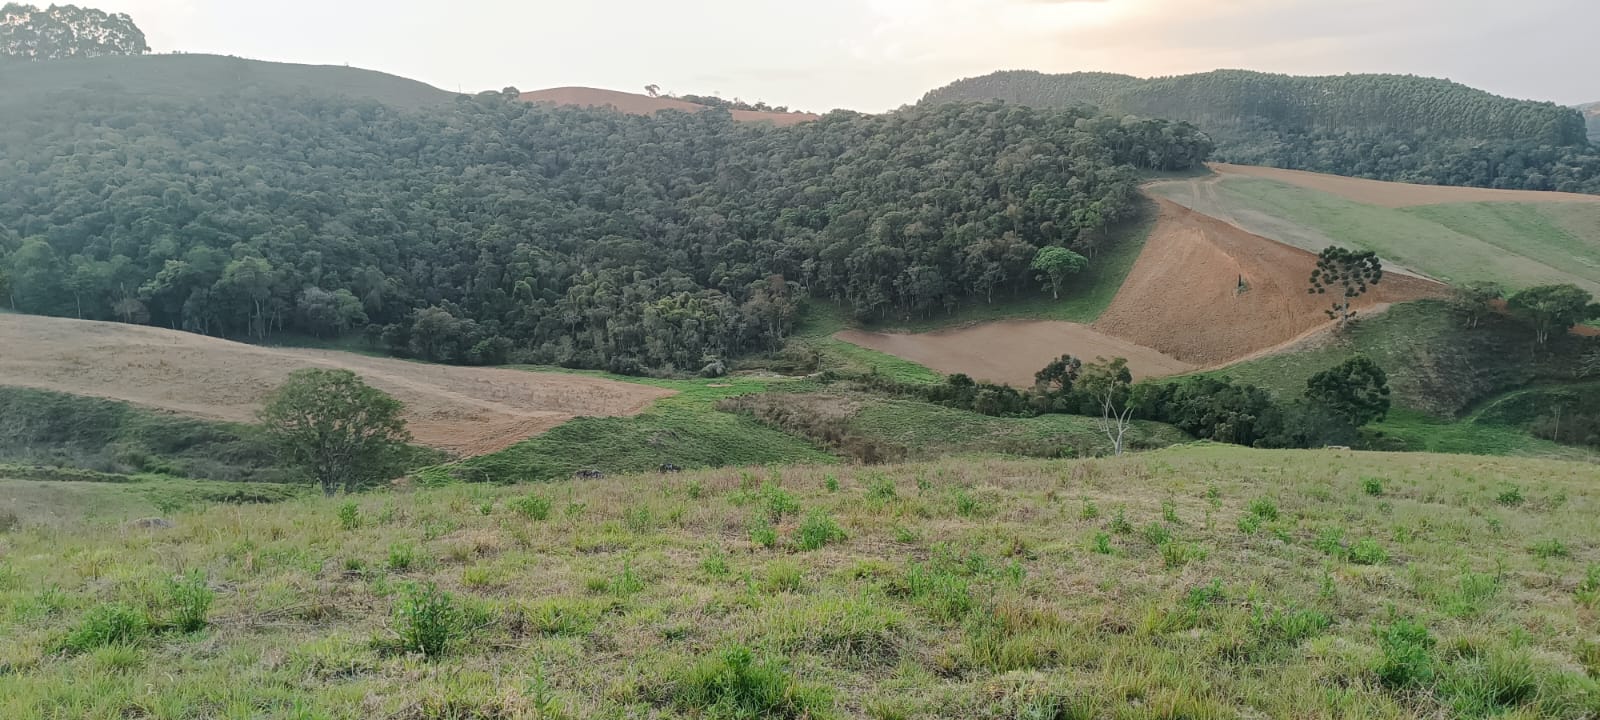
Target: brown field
{"x": 636, "y": 104}
{"x": 1011, "y": 351}
{"x": 467, "y": 411}
{"x": 1184, "y": 298}
{"x": 1396, "y": 195}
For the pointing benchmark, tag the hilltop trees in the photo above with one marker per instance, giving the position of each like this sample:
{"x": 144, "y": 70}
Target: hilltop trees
{"x": 341, "y": 431}
{"x": 1348, "y": 273}
{"x": 66, "y": 31}
{"x": 1474, "y": 299}
{"x": 489, "y": 229}
{"x": 1110, "y": 385}
{"x": 1552, "y": 308}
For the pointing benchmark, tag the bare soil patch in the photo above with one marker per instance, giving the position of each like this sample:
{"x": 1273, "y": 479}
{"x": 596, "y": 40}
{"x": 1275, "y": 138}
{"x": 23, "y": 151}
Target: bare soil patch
{"x": 467, "y": 411}
{"x": 1394, "y": 194}
{"x": 1208, "y": 293}
{"x": 635, "y": 104}
{"x": 1011, "y": 351}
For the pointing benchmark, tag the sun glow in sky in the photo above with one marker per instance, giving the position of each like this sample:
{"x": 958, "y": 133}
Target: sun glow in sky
{"x": 878, "y": 54}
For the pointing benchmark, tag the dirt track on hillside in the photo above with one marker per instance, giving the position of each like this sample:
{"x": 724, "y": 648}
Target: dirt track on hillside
{"x": 1184, "y": 297}
{"x": 467, "y": 411}
{"x": 1011, "y": 351}
{"x": 635, "y": 104}
{"x": 1393, "y": 194}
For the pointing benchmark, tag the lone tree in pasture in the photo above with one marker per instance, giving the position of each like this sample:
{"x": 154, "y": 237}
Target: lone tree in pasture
{"x": 1111, "y": 386}
{"x": 1552, "y": 308}
{"x": 343, "y": 432}
{"x": 1058, "y": 377}
{"x": 1348, "y": 273}
{"x": 1356, "y": 390}
{"x": 1056, "y": 264}
{"x": 653, "y": 90}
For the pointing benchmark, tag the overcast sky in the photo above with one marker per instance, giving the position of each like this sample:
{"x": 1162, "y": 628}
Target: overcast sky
{"x": 874, "y": 55}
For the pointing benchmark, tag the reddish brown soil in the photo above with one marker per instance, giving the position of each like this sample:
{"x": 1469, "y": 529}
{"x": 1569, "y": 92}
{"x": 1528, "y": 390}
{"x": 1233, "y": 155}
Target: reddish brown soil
{"x": 1012, "y": 351}
{"x": 1183, "y": 295}
{"x": 636, "y": 104}
{"x": 1396, "y": 195}
{"x": 467, "y": 411}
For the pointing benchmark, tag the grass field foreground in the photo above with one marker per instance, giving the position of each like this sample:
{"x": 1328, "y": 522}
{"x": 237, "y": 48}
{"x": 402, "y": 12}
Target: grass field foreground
{"x": 1195, "y": 582}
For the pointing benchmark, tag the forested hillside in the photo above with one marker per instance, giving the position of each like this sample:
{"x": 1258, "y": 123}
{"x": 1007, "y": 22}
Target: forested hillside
{"x": 1591, "y": 114}
{"x": 487, "y": 229}
{"x": 1388, "y": 127}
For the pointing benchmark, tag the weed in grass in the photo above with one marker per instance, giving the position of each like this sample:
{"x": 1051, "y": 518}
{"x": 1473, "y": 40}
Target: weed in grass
{"x": 1552, "y": 548}
{"x": 830, "y": 483}
{"x": 190, "y": 601}
{"x": 880, "y": 489}
{"x": 427, "y": 620}
{"x": 715, "y": 564}
{"x": 1511, "y": 496}
{"x": 1169, "y": 512}
{"x": 1472, "y": 593}
{"x": 1157, "y": 534}
{"x": 1120, "y": 524}
{"x": 1089, "y": 511}
{"x": 1330, "y": 541}
{"x": 627, "y": 582}
{"x": 479, "y": 576}
{"x": 1489, "y": 683}
{"x": 1372, "y": 486}
{"x": 1407, "y": 659}
{"x": 763, "y": 533}
{"x": 1176, "y": 554}
{"x": 639, "y": 519}
{"x": 486, "y": 508}
{"x": 817, "y": 530}
{"x": 1263, "y": 508}
{"x": 923, "y": 484}
{"x": 1205, "y": 595}
{"x": 1367, "y": 552}
{"x": 777, "y": 503}
{"x": 1588, "y": 590}
{"x": 402, "y": 557}
{"x": 966, "y": 505}
{"x": 1102, "y": 543}
{"x": 733, "y": 684}
{"x": 349, "y": 515}
{"x": 783, "y": 577}
{"x": 109, "y": 624}
{"x": 695, "y": 490}
{"x": 532, "y": 507}
{"x": 1250, "y": 524}
{"x": 907, "y": 535}
{"x": 937, "y": 590}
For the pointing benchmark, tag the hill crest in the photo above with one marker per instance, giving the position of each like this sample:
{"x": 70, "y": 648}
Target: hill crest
{"x": 637, "y": 104}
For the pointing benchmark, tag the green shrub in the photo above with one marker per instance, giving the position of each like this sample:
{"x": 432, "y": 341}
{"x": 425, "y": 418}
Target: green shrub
{"x": 1102, "y": 543}
{"x": 1205, "y": 595}
{"x": 818, "y": 530}
{"x": 1551, "y": 548}
{"x": 349, "y": 516}
{"x": 881, "y": 490}
{"x": 427, "y": 620}
{"x": 715, "y": 564}
{"x": 1372, "y": 486}
{"x": 190, "y": 600}
{"x": 1367, "y": 552}
{"x": 109, "y": 624}
{"x": 1250, "y": 524}
{"x": 532, "y": 507}
{"x": 966, "y": 505}
{"x": 777, "y": 503}
{"x": 733, "y": 684}
{"x": 1263, "y": 508}
{"x": 1407, "y": 649}
{"x": 1120, "y": 524}
{"x": 831, "y": 483}
{"x": 763, "y": 533}
{"x": 1157, "y": 534}
{"x": 1169, "y": 512}
{"x": 1179, "y": 554}
{"x": 1511, "y": 496}
{"x": 402, "y": 556}
{"x": 1089, "y": 511}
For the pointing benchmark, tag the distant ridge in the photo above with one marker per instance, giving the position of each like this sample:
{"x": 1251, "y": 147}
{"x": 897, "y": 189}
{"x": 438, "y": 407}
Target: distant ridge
{"x": 191, "y": 76}
{"x": 636, "y": 104}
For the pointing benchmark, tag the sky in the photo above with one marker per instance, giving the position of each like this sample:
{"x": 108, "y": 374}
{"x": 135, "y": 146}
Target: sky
{"x": 875, "y": 55}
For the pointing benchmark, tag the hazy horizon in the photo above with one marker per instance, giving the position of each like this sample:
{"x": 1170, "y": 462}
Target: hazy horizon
{"x": 880, "y": 54}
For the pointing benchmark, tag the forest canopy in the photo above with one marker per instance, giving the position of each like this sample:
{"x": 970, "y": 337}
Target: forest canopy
{"x": 66, "y": 31}
{"x": 1387, "y": 127}
{"x": 487, "y": 229}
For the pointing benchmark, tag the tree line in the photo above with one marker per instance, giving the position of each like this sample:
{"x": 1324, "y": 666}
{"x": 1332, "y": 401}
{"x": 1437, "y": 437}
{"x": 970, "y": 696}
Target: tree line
{"x": 29, "y": 34}
{"x": 487, "y": 229}
{"x": 1387, "y": 127}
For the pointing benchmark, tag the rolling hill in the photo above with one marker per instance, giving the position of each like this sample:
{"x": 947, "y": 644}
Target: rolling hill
{"x": 200, "y": 76}
{"x": 636, "y": 104}
{"x": 1389, "y": 127}
{"x": 1454, "y": 235}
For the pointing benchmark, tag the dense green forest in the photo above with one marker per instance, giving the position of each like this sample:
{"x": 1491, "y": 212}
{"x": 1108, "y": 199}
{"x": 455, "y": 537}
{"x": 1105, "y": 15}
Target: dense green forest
{"x": 1388, "y": 127}
{"x": 31, "y": 34}
{"x": 1591, "y": 113}
{"x": 486, "y": 229}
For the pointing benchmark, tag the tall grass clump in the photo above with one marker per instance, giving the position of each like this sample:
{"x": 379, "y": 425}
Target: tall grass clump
{"x": 107, "y": 625}
{"x": 733, "y": 683}
{"x": 427, "y": 620}
{"x": 818, "y": 530}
